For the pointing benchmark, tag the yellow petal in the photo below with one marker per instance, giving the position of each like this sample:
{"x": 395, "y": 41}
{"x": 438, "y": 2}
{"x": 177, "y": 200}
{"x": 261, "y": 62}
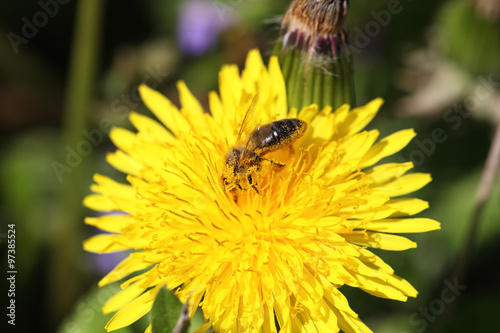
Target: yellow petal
{"x": 124, "y": 163}
{"x": 340, "y": 116}
{"x": 307, "y": 114}
{"x": 230, "y": 87}
{"x": 358, "y": 118}
{"x": 404, "y": 225}
{"x": 407, "y": 206}
{"x": 99, "y": 203}
{"x": 387, "y": 146}
{"x": 380, "y": 288}
{"x": 406, "y": 184}
{"x": 356, "y": 146}
{"x": 123, "y": 139}
{"x": 348, "y": 320}
{"x": 374, "y": 261}
{"x": 109, "y": 223}
{"x": 123, "y": 297}
{"x": 385, "y": 173}
{"x": 388, "y": 285}
{"x": 191, "y": 107}
{"x": 108, "y": 186}
{"x": 253, "y": 68}
{"x": 103, "y": 243}
{"x": 339, "y": 302}
{"x": 381, "y": 241}
{"x": 150, "y": 129}
{"x": 134, "y": 310}
{"x": 279, "y": 87}
{"x": 354, "y": 324}
{"x": 164, "y": 110}
{"x": 376, "y": 213}
{"x": 216, "y": 107}
{"x": 125, "y": 267}
{"x": 203, "y": 327}
{"x": 322, "y": 126}
{"x": 402, "y": 285}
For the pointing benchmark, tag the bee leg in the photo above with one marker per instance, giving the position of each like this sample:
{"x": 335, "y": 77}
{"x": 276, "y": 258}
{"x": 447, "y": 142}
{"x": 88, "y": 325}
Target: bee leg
{"x": 275, "y": 163}
{"x": 250, "y": 181}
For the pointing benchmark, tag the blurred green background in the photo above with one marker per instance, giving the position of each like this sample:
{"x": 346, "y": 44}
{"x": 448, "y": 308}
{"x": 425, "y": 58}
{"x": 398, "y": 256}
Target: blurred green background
{"x": 434, "y": 62}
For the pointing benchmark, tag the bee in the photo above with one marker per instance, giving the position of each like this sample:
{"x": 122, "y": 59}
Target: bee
{"x": 246, "y": 159}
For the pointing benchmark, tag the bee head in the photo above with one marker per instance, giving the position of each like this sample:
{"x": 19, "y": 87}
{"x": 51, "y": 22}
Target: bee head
{"x": 229, "y": 184}
{"x": 231, "y": 177}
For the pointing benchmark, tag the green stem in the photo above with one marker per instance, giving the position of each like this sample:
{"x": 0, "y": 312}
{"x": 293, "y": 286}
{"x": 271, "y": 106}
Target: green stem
{"x": 317, "y": 91}
{"x": 348, "y": 76}
{"x": 309, "y": 91}
{"x": 65, "y": 278}
{"x": 286, "y": 59}
{"x": 299, "y": 71}
{"x": 293, "y": 82}
{"x": 338, "y": 84}
{"x": 328, "y": 86}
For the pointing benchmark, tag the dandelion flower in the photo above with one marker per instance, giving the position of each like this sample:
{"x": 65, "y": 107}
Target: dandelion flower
{"x": 255, "y": 262}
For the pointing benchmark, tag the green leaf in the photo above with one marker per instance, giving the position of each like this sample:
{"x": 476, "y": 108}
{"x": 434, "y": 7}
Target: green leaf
{"x": 166, "y": 312}
{"x": 87, "y": 316}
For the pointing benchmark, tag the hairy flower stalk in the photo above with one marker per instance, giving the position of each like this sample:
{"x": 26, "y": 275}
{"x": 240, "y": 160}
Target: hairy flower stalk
{"x": 314, "y": 53}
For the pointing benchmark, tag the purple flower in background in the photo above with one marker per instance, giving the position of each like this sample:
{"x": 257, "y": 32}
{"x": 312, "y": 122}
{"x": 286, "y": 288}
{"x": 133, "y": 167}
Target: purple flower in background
{"x": 200, "y": 23}
{"x": 103, "y": 263}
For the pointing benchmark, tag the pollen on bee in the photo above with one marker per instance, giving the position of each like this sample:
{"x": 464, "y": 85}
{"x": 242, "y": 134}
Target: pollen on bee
{"x": 246, "y": 165}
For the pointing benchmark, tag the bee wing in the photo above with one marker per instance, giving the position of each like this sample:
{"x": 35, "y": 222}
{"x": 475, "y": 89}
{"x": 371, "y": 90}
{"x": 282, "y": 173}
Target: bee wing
{"x": 247, "y": 120}
{"x": 255, "y": 140}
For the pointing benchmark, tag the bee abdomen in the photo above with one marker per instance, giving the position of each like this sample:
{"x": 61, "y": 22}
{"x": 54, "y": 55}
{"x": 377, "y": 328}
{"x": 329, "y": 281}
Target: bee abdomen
{"x": 278, "y": 134}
